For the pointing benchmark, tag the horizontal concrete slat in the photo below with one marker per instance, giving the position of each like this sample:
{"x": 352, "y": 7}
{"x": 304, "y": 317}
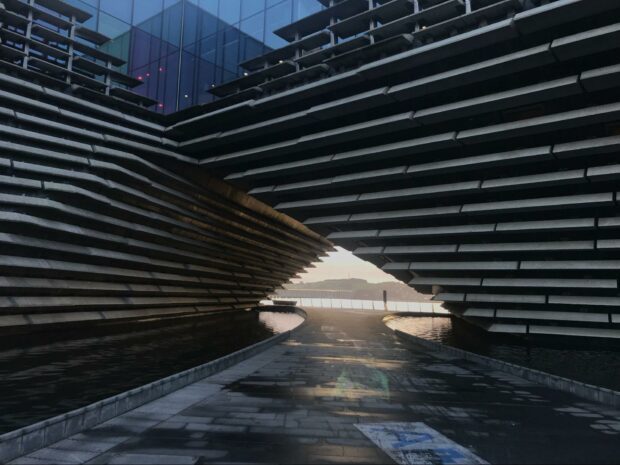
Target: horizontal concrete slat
{"x": 551, "y": 316}
{"x": 494, "y": 102}
{"x": 551, "y": 282}
{"x": 587, "y": 42}
{"x": 527, "y": 246}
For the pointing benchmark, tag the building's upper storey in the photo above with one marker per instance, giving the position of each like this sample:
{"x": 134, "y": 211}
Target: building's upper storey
{"x": 45, "y": 40}
{"x": 283, "y": 85}
{"x": 350, "y": 33}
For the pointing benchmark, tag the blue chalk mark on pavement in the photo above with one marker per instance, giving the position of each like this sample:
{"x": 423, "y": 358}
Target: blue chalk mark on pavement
{"x": 409, "y": 438}
{"x": 417, "y": 444}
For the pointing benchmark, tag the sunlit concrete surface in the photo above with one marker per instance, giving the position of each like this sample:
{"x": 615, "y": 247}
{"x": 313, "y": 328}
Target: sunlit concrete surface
{"x": 300, "y": 401}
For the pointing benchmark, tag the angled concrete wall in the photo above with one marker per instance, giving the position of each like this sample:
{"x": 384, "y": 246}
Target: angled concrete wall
{"x": 100, "y": 222}
{"x": 469, "y": 148}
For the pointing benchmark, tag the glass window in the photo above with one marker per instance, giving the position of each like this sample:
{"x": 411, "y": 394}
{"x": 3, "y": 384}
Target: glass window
{"x": 210, "y": 6}
{"x": 230, "y": 11}
{"x": 187, "y": 82}
{"x": 231, "y": 35}
{"x": 145, "y": 9}
{"x": 167, "y": 90}
{"x": 206, "y": 76}
{"x": 251, "y": 7}
{"x": 151, "y": 26}
{"x": 305, "y": 7}
{"x": 217, "y": 36}
{"x": 147, "y": 74}
{"x": 209, "y": 25}
{"x": 120, "y": 9}
{"x": 112, "y": 27}
{"x": 254, "y": 26}
{"x": 190, "y": 25}
{"x": 197, "y": 24}
{"x": 251, "y": 48}
{"x": 171, "y": 25}
{"x": 84, "y": 4}
{"x": 230, "y": 49}
{"x": 119, "y": 47}
{"x": 141, "y": 47}
{"x": 208, "y": 48}
{"x": 227, "y": 76}
{"x": 231, "y": 57}
{"x": 277, "y": 17}
{"x": 92, "y": 22}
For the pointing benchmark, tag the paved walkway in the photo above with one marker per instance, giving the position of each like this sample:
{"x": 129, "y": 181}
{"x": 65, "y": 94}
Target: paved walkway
{"x": 298, "y": 402}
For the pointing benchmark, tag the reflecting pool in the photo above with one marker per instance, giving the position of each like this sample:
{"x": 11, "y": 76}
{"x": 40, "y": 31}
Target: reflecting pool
{"x": 592, "y": 362}
{"x": 45, "y": 375}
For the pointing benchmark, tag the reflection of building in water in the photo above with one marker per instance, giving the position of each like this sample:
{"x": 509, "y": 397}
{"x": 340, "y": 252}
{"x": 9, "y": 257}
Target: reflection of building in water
{"x": 180, "y": 48}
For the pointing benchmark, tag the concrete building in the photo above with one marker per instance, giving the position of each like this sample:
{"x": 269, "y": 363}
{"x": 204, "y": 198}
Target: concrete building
{"x": 467, "y": 147}
{"x": 102, "y": 218}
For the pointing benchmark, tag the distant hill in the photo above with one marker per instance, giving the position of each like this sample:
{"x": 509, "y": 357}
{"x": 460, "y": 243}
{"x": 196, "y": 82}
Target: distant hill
{"x": 353, "y": 289}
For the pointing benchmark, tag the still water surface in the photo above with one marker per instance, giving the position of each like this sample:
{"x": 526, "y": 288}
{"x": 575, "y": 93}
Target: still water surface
{"x": 43, "y": 378}
{"x": 598, "y": 365}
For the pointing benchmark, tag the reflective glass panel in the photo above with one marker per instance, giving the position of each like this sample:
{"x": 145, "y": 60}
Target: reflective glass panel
{"x": 120, "y": 9}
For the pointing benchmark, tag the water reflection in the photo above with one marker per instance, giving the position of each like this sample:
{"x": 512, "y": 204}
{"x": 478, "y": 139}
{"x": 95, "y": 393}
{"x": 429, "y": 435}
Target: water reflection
{"x": 42, "y": 378}
{"x": 593, "y": 363}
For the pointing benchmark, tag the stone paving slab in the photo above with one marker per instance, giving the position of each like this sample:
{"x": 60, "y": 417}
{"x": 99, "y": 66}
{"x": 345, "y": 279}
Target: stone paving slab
{"x": 299, "y": 402}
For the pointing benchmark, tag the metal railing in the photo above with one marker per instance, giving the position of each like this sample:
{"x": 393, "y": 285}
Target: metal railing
{"x": 358, "y": 304}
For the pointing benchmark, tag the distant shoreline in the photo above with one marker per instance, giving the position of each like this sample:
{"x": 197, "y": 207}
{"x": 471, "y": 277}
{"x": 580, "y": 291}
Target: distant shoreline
{"x": 354, "y": 288}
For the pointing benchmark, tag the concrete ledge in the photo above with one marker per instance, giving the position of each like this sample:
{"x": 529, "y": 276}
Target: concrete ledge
{"x": 45, "y": 433}
{"x": 583, "y": 390}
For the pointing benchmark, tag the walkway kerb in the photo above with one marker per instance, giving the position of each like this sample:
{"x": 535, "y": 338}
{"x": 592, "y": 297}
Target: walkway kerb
{"x": 47, "y": 432}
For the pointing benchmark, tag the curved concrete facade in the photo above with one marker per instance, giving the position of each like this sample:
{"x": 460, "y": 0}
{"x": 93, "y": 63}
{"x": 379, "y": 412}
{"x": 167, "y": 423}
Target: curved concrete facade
{"x": 468, "y": 148}
{"x": 101, "y": 219}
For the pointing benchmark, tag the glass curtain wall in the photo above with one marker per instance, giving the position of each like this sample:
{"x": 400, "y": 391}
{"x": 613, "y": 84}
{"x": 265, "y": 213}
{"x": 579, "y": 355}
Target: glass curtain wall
{"x": 179, "y": 48}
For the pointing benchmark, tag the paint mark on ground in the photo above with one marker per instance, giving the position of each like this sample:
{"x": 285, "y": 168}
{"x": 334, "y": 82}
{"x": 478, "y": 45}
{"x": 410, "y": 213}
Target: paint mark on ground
{"x": 417, "y": 444}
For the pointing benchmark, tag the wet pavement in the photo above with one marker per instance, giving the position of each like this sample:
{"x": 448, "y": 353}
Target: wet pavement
{"x": 42, "y": 376}
{"x": 299, "y": 402}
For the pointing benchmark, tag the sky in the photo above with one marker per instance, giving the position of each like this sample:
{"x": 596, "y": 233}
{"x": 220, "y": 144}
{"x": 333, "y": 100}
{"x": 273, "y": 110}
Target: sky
{"x": 342, "y": 264}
